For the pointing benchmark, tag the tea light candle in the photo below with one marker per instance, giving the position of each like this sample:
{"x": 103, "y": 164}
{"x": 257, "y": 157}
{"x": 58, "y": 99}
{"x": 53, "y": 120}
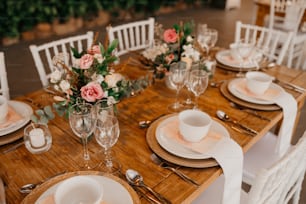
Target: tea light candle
{"x": 37, "y": 137}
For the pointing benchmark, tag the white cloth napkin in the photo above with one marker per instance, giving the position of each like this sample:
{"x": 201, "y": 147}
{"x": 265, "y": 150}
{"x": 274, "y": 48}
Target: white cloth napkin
{"x": 229, "y": 156}
{"x": 224, "y": 150}
{"x": 289, "y": 106}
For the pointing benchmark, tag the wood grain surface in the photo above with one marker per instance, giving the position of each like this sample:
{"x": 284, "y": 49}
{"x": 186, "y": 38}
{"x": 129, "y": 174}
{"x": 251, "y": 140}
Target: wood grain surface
{"x": 132, "y": 149}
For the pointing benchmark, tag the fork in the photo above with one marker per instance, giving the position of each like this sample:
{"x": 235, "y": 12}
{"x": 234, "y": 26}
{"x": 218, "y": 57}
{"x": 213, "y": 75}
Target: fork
{"x": 165, "y": 165}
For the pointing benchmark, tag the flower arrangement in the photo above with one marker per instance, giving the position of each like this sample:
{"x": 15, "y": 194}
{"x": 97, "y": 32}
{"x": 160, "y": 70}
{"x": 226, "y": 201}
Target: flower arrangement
{"x": 90, "y": 78}
{"x": 176, "y": 44}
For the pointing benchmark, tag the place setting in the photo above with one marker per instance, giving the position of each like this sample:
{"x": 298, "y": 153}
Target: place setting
{"x": 13, "y": 116}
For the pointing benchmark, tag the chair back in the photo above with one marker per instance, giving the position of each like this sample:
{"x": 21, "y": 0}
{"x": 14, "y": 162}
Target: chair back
{"x": 286, "y": 14}
{"x": 132, "y": 36}
{"x": 43, "y": 54}
{"x": 4, "y": 88}
{"x": 273, "y": 44}
{"x": 283, "y": 180}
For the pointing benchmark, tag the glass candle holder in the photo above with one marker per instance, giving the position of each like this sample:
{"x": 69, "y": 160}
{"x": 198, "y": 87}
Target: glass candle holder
{"x": 37, "y": 138}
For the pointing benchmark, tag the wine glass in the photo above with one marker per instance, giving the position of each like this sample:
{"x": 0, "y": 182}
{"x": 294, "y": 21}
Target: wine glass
{"x": 103, "y": 108}
{"x": 207, "y": 38}
{"x": 177, "y": 76}
{"x": 107, "y": 133}
{"x": 244, "y": 50}
{"x": 198, "y": 82}
{"x": 82, "y": 120}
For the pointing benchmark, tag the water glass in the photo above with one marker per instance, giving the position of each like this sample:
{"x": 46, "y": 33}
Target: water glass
{"x": 198, "y": 82}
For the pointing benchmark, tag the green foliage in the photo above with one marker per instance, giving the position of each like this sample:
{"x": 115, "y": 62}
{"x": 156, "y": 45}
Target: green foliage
{"x": 43, "y": 116}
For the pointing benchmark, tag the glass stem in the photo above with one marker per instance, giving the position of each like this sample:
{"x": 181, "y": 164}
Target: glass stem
{"x": 196, "y": 102}
{"x": 85, "y": 149}
{"x": 176, "y": 98}
{"x": 108, "y": 158}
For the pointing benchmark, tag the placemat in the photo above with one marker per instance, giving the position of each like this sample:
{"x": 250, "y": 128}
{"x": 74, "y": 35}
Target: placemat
{"x": 225, "y": 92}
{"x": 157, "y": 149}
{"x": 38, "y": 191}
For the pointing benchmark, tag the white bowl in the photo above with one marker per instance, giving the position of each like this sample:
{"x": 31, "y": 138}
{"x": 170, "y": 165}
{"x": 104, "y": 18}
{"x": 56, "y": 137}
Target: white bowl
{"x": 258, "y": 82}
{"x": 79, "y": 189}
{"x": 194, "y": 125}
{"x": 234, "y": 52}
{"x": 3, "y": 109}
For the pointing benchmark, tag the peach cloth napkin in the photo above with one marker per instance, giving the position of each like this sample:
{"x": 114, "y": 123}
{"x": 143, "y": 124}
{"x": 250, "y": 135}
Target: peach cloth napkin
{"x": 226, "y": 151}
{"x": 50, "y": 200}
{"x": 11, "y": 118}
{"x": 289, "y": 106}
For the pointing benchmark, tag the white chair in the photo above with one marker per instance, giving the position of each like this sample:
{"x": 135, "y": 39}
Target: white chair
{"x": 269, "y": 40}
{"x": 43, "y": 54}
{"x": 4, "y": 88}
{"x": 277, "y": 184}
{"x": 132, "y": 36}
{"x": 287, "y": 16}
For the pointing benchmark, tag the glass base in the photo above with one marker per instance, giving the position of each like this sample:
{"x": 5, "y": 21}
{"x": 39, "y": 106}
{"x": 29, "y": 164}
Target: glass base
{"x": 115, "y": 169}
{"x": 88, "y": 165}
{"x": 175, "y": 108}
{"x": 188, "y": 104}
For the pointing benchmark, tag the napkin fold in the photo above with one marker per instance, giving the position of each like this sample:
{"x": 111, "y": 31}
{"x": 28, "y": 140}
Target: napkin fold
{"x": 224, "y": 150}
{"x": 289, "y": 106}
{"x": 11, "y": 118}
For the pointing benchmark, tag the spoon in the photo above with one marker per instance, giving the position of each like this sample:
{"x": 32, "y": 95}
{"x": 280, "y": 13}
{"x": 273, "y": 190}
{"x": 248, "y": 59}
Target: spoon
{"x": 223, "y": 116}
{"x": 146, "y": 123}
{"x": 253, "y": 112}
{"x": 28, "y": 188}
{"x": 134, "y": 178}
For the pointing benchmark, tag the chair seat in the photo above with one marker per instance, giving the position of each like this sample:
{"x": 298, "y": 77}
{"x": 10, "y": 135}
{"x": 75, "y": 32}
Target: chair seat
{"x": 216, "y": 189}
{"x": 261, "y": 155}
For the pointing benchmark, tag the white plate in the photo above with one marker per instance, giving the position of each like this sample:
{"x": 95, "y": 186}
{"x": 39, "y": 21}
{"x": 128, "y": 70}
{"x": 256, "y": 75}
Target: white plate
{"x": 24, "y": 110}
{"x": 233, "y": 90}
{"x": 114, "y": 192}
{"x": 179, "y": 150}
{"x": 224, "y": 57}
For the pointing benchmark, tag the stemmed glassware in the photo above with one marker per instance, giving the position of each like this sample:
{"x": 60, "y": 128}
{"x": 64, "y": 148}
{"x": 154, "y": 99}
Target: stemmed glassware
{"x": 244, "y": 50}
{"x": 82, "y": 120}
{"x": 107, "y": 133}
{"x": 177, "y": 76}
{"x": 207, "y": 38}
{"x": 198, "y": 82}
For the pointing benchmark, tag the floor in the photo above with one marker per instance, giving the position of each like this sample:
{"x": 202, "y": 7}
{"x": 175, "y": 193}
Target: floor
{"x": 23, "y": 77}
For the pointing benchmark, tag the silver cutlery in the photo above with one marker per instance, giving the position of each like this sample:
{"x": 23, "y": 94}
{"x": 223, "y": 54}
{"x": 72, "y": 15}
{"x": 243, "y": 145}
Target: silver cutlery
{"x": 147, "y": 123}
{"x": 165, "y": 165}
{"x": 224, "y": 117}
{"x": 14, "y": 147}
{"x": 134, "y": 178}
{"x": 149, "y": 198}
{"x": 289, "y": 85}
{"x": 28, "y": 188}
{"x": 250, "y": 111}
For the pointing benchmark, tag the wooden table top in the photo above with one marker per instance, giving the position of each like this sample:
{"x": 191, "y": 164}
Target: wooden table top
{"x": 20, "y": 166}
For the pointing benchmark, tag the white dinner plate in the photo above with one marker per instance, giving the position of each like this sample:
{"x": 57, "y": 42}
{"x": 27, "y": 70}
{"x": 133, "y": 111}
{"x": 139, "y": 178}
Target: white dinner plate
{"x": 114, "y": 192}
{"x": 224, "y": 57}
{"x": 24, "y": 110}
{"x": 179, "y": 150}
{"x": 233, "y": 90}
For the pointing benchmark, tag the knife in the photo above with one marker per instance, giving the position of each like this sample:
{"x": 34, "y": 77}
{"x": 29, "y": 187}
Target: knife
{"x": 2, "y": 192}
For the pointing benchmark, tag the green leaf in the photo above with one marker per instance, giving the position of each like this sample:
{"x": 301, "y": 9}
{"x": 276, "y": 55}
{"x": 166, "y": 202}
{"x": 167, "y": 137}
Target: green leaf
{"x": 49, "y": 113}
{"x": 112, "y": 46}
{"x": 101, "y": 49}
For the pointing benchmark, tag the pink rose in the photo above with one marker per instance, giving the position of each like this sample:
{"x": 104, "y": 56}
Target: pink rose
{"x": 170, "y": 36}
{"x": 92, "y": 92}
{"x": 95, "y": 49}
{"x": 86, "y": 61}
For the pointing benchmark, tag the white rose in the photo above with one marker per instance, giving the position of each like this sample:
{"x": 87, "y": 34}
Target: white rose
{"x": 189, "y": 39}
{"x": 76, "y": 63}
{"x": 112, "y": 79}
{"x": 64, "y": 85}
{"x": 97, "y": 78}
{"x": 55, "y": 76}
{"x": 99, "y": 57}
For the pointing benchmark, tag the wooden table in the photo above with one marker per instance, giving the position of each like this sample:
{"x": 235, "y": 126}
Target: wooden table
{"x": 263, "y": 9}
{"x": 20, "y": 167}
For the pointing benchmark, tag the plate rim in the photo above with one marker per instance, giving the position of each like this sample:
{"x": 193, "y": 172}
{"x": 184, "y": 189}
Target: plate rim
{"x": 198, "y": 156}
{"x": 14, "y": 103}
{"x": 223, "y": 52}
{"x": 247, "y": 98}
{"x": 34, "y": 196}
